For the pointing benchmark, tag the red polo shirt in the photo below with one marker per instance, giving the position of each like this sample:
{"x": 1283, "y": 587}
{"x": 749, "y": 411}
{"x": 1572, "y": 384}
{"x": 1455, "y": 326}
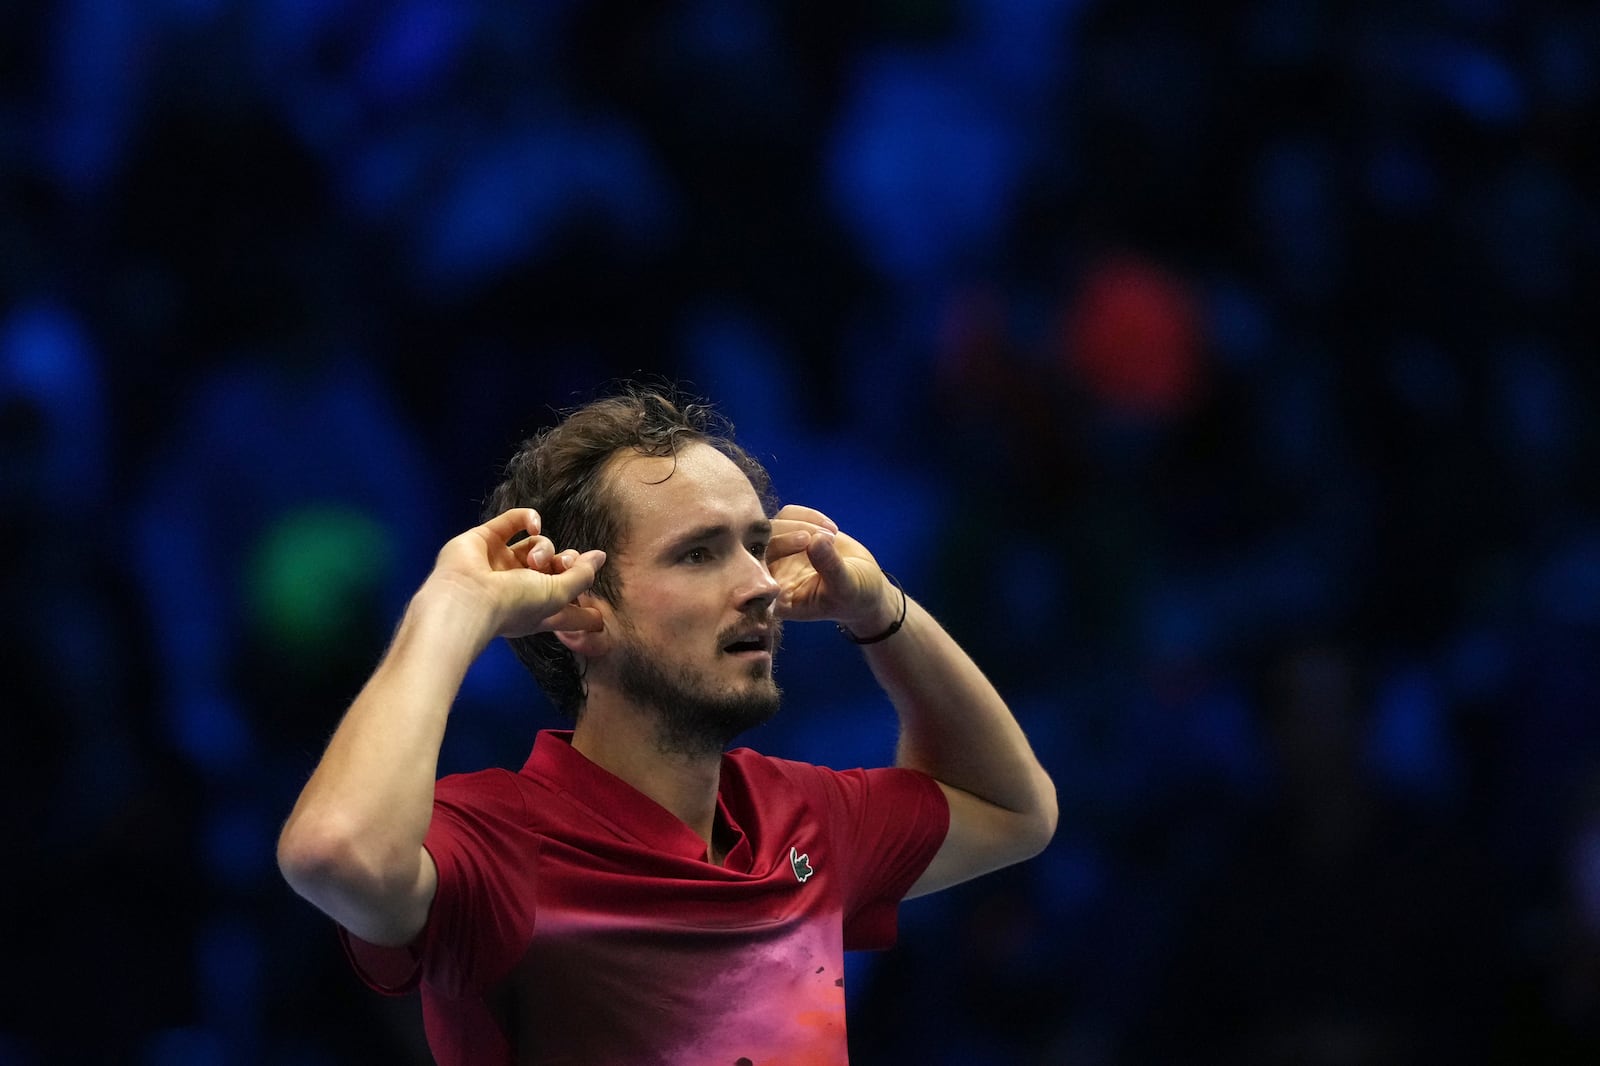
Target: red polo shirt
{"x": 577, "y": 921}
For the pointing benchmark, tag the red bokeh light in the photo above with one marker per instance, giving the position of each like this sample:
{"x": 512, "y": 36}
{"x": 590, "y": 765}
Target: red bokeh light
{"x": 1132, "y": 336}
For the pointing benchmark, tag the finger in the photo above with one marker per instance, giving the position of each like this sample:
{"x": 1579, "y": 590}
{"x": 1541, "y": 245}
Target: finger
{"x": 790, "y": 542}
{"x": 790, "y": 525}
{"x": 798, "y": 513}
{"x": 798, "y": 593}
{"x": 508, "y": 524}
{"x": 572, "y": 582}
{"x": 571, "y": 557}
{"x": 539, "y": 553}
{"x": 573, "y": 618}
{"x": 580, "y": 574}
{"x": 559, "y": 561}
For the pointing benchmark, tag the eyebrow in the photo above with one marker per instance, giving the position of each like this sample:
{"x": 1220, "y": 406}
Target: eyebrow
{"x": 718, "y": 530}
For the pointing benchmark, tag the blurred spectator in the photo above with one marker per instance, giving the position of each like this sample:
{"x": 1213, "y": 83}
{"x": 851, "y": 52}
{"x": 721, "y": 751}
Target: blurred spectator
{"x": 1324, "y": 937}
{"x": 103, "y": 814}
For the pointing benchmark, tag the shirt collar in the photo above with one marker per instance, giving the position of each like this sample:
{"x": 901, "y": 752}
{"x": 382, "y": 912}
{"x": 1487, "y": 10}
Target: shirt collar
{"x": 621, "y": 807}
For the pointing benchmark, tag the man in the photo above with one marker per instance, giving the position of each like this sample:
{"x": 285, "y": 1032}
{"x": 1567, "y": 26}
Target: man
{"x": 637, "y": 894}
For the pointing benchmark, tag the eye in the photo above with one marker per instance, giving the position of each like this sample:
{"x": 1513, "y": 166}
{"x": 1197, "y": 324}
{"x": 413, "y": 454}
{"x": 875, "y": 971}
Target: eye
{"x": 759, "y": 549}
{"x": 697, "y": 555}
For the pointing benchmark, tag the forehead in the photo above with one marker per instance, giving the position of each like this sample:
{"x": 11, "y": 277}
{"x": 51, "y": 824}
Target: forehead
{"x": 659, "y": 497}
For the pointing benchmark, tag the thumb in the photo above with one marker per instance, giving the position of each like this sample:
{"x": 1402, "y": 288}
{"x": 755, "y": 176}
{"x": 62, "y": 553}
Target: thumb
{"x": 579, "y": 575}
{"x": 824, "y": 555}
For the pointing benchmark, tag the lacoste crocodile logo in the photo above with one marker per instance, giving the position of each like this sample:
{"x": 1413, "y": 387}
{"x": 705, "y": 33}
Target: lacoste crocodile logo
{"x": 801, "y": 865}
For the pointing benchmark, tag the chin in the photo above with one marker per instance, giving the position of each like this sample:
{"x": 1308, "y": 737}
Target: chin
{"x": 761, "y": 673}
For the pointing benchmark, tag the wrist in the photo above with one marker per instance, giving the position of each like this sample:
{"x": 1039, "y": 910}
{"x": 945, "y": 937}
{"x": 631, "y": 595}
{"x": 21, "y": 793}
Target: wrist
{"x": 448, "y": 612}
{"x": 885, "y": 621}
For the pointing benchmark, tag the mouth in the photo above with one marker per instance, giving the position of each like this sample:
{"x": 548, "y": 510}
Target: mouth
{"x": 750, "y": 645}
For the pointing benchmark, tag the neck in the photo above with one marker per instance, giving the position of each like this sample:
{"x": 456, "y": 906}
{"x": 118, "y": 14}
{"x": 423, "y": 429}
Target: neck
{"x": 625, "y": 743}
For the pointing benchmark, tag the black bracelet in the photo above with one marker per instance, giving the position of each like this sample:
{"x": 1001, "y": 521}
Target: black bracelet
{"x": 894, "y": 627}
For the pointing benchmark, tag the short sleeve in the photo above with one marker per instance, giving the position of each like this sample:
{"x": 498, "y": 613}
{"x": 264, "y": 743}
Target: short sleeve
{"x": 478, "y": 923}
{"x": 892, "y": 822}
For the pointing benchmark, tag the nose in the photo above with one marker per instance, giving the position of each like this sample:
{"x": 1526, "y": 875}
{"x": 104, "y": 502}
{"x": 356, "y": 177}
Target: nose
{"x": 758, "y": 589}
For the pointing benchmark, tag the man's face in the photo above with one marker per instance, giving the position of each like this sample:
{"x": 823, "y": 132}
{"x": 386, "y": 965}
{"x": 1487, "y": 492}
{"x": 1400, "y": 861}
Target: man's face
{"x": 695, "y": 633}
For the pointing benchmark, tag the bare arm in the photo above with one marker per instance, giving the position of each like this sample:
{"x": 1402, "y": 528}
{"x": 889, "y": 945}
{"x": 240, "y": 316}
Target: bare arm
{"x": 353, "y": 843}
{"x": 954, "y": 724}
{"x": 956, "y": 728}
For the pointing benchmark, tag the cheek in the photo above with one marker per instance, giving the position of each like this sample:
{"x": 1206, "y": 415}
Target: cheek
{"x": 678, "y": 607}
{"x": 665, "y": 624}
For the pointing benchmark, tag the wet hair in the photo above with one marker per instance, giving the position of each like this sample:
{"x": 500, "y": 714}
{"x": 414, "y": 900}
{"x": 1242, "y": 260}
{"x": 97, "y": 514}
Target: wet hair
{"x": 561, "y": 472}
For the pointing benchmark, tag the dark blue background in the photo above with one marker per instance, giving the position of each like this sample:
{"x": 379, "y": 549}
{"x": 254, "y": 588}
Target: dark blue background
{"x": 1222, "y": 375}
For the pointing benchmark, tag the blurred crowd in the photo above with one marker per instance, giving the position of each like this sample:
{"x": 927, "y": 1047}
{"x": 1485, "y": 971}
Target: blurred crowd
{"x": 1222, "y": 375}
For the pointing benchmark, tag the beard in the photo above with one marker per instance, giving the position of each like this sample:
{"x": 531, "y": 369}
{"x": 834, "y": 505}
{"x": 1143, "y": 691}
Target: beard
{"x": 692, "y": 717}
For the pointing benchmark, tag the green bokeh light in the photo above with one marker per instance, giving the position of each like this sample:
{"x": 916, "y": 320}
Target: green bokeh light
{"x": 314, "y": 574}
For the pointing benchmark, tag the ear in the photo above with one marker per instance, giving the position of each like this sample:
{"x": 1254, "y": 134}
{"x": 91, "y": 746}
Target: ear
{"x": 588, "y": 644}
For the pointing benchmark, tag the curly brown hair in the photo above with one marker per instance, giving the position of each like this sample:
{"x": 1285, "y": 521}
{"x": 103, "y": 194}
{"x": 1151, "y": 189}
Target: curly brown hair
{"x": 559, "y": 472}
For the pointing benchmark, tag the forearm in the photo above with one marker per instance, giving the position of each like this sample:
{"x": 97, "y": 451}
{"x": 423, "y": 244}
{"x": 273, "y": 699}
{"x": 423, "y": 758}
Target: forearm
{"x": 954, "y": 724}
{"x": 364, "y": 812}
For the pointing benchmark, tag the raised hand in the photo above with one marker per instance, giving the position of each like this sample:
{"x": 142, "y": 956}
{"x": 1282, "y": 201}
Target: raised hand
{"x": 827, "y": 574}
{"x": 527, "y": 587}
